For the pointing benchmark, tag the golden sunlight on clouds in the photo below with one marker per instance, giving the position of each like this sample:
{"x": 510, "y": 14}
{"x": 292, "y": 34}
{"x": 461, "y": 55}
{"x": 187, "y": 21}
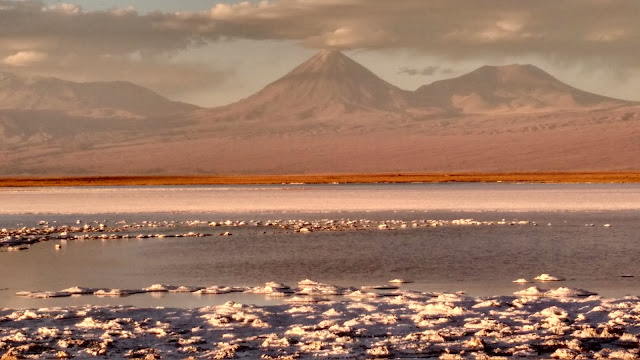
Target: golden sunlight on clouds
{"x": 24, "y": 58}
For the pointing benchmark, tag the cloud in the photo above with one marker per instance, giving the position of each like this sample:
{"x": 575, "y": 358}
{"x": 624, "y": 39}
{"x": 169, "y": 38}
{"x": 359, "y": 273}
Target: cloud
{"x": 426, "y": 71}
{"x": 23, "y": 58}
{"x": 569, "y": 31}
{"x": 64, "y": 8}
{"x": 170, "y": 79}
{"x": 459, "y": 28}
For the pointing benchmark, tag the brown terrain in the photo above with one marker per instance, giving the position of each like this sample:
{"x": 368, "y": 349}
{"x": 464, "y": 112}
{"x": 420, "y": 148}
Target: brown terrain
{"x": 556, "y": 177}
{"x": 329, "y": 115}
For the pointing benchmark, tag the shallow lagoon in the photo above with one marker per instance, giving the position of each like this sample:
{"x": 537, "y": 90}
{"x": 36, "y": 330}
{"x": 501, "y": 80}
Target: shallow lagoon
{"x": 480, "y": 260}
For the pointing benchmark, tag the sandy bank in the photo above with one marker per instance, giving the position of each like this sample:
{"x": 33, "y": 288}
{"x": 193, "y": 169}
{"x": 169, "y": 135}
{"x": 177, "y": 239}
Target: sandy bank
{"x": 559, "y": 177}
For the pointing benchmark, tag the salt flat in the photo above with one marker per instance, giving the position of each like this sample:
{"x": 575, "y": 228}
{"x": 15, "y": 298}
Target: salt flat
{"x": 314, "y": 198}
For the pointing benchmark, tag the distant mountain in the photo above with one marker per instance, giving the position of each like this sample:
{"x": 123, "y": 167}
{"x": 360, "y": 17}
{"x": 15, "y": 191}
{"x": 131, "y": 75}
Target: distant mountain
{"x": 329, "y": 80}
{"x": 327, "y": 86}
{"x": 328, "y": 115}
{"x": 93, "y": 99}
{"x": 508, "y": 88}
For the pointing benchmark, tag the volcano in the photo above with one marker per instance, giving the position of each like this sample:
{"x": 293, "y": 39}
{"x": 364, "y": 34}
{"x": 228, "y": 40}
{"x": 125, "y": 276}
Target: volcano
{"x": 329, "y": 81}
{"x": 508, "y": 88}
{"x": 328, "y": 86}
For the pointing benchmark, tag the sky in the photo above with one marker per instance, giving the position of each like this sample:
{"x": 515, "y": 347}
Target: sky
{"x": 215, "y": 52}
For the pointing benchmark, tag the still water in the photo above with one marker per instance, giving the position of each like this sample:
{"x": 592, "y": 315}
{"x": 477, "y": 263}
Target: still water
{"x": 480, "y": 260}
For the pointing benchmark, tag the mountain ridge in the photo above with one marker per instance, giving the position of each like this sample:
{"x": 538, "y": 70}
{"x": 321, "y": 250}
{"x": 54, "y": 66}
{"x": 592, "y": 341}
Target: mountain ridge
{"x": 330, "y": 87}
{"x": 97, "y": 99}
{"x": 332, "y": 115}
{"x": 508, "y": 88}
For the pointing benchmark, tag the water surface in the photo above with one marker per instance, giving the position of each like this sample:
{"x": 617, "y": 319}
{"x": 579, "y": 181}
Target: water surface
{"x": 480, "y": 260}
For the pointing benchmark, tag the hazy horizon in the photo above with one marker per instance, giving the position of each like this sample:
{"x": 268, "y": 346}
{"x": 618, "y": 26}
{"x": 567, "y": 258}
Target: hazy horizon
{"x": 214, "y": 53}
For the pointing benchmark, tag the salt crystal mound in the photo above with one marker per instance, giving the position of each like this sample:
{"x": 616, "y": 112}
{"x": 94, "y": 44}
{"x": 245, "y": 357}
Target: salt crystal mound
{"x": 568, "y": 292}
{"x": 159, "y": 288}
{"x": 532, "y": 291}
{"x": 559, "y": 292}
{"x": 217, "y": 290}
{"x": 400, "y": 281}
{"x": 321, "y": 290}
{"x": 521, "y": 281}
{"x": 273, "y": 289}
{"x": 76, "y": 290}
{"x": 362, "y": 294}
{"x": 43, "y": 294}
{"x": 307, "y": 282}
{"x": 547, "y": 277}
{"x": 117, "y": 292}
{"x": 185, "y": 289}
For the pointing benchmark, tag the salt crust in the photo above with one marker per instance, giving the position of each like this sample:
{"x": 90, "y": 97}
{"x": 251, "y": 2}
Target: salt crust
{"x": 561, "y": 323}
{"x": 559, "y": 292}
{"x": 18, "y": 239}
{"x": 521, "y": 281}
{"x": 547, "y": 277}
{"x": 400, "y": 281}
{"x": 307, "y": 291}
{"x": 446, "y": 326}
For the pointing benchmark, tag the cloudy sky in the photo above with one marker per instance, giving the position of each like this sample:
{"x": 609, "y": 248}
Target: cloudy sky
{"x": 214, "y": 52}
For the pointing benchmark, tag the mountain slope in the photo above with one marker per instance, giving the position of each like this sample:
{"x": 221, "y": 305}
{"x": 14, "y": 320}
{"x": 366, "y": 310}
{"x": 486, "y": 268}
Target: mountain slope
{"x": 94, "y": 99}
{"x": 508, "y": 88}
{"x": 327, "y": 86}
{"x": 331, "y": 79}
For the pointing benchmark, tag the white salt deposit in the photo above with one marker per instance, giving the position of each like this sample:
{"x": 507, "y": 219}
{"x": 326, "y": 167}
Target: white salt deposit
{"x": 317, "y": 320}
{"x": 76, "y": 290}
{"x": 547, "y": 277}
{"x": 447, "y": 326}
{"x": 532, "y": 291}
{"x": 400, "y": 281}
{"x": 307, "y": 282}
{"x": 521, "y": 281}
{"x": 159, "y": 288}
{"x": 217, "y": 290}
{"x": 361, "y": 294}
{"x": 117, "y": 292}
{"x": 184, "y": 289}
{"x": 17, "y": 239}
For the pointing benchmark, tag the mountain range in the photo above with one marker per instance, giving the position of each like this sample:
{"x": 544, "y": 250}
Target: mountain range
{"x": 328, "y": 115}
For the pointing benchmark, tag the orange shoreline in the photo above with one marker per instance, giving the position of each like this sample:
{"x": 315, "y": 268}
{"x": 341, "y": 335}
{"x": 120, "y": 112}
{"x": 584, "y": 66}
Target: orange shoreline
{"x": 550, "y": 177}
